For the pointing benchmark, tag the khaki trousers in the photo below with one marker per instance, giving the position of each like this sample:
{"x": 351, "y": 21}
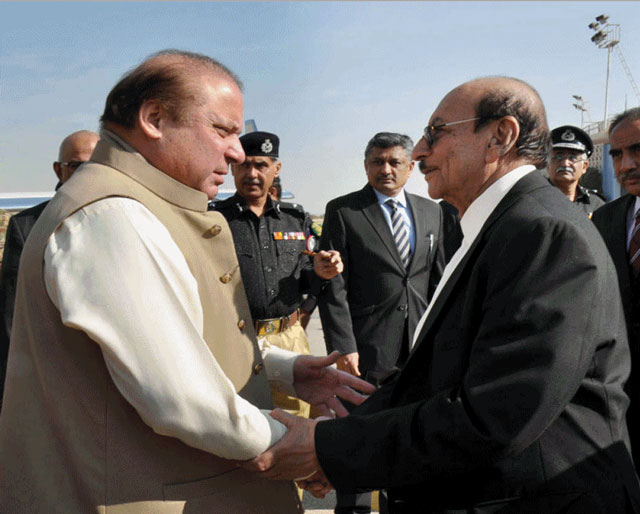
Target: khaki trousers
{"x": 293, "y": 339}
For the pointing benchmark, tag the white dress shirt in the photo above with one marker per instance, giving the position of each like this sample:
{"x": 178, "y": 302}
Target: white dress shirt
{"x": 114, "y": 272}
{"x": 471, "y": 224}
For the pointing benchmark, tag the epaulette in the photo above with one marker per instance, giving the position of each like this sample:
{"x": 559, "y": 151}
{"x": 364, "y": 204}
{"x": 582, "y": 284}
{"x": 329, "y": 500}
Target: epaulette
{"x": 227, "y": 203}
{"x": 595, "y": 192}
{"x": 295, "y": 207}
{"x": 230, "y": 207}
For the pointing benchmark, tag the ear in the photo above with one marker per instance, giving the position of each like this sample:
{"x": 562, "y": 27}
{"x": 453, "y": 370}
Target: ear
{"x": 149, "y": 119}
{"x": 504, "y": 135}
{"x": 585, "y": 167}
{"x": 58, "y": 170}
{"x": 278, "y": 167}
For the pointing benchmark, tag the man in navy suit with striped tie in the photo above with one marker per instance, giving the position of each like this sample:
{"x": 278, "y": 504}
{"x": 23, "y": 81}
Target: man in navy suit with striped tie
{"x": 391, "y": 247}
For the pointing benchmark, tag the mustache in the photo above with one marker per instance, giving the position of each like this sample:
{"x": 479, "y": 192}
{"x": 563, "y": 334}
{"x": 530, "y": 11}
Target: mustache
{"x": 251, "y": 182}
{"x": 565, "y": 168}
{"x": 422, "y": 166}
{"x": 631, "y": 174}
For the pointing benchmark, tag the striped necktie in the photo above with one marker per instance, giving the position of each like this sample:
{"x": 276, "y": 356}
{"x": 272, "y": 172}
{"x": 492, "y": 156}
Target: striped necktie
{"x": 400, "y": 232}
{"x": 634, "y": 247}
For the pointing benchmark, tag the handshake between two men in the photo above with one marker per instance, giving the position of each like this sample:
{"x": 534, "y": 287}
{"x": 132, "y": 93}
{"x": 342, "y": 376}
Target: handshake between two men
{"x": 294, "y": 456}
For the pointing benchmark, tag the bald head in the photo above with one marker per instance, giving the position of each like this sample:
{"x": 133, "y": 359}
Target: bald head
{"x": 480, "y": 131}
{"x": 497, "y": 97}
{"x": 171, "y": 77}
{"x": 75, "y": 149}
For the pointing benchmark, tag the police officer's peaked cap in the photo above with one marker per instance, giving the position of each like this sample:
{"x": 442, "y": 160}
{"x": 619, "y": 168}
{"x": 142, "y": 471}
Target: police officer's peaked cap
{"x": 262, "y": 144}
{"x": 573, "y": 138}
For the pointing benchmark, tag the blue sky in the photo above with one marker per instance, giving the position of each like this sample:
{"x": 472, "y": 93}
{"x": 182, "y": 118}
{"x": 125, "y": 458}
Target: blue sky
{"x": 324, "y": 76}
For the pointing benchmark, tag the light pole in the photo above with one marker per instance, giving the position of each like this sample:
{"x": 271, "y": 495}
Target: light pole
{"x": 607, "y": 36}
{"x": 580, "y": 106}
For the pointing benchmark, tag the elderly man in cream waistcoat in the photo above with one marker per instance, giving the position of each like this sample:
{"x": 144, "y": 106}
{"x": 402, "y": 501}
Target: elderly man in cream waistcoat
{"x": 135, "y": 382}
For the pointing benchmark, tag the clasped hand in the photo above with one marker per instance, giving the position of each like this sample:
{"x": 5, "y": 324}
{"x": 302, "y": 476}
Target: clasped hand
{"x": 294, "y": 456}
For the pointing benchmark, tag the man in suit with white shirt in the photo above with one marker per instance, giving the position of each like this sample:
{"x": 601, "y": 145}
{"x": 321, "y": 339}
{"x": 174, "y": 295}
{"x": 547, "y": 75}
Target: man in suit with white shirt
{"x": 618, "y": 224}
{"x": 391, "y": 245}
{"x": 512, "y": 399}
{"x": 134, "y": 377}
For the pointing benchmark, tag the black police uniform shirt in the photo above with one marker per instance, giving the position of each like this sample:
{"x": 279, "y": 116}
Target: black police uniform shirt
{"x": 588, "y": 200}
{"x": 274, "y": 270}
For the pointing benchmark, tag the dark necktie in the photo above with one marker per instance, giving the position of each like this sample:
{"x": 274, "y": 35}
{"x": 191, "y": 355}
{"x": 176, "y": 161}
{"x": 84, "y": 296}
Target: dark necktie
{"x": 634, "y": 247}
{"x": 400, "y": 232}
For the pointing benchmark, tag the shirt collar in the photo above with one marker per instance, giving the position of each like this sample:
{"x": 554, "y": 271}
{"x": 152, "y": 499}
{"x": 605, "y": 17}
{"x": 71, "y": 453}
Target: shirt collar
{"x": 482, "y": 207}
{"x": 401, "y": 198}
{"x": 118, "y": 142}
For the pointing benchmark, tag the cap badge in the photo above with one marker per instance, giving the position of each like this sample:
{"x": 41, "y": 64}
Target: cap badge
{"x": 568, "y": 135}
{"x": 267, "y": 146}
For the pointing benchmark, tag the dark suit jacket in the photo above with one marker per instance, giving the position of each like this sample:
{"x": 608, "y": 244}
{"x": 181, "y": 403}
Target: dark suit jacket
{"x": 512, "y": 399}
{"x": 611, "y": 221}
{"x": 17, "y": 231}
{"x": 364, "y": 308}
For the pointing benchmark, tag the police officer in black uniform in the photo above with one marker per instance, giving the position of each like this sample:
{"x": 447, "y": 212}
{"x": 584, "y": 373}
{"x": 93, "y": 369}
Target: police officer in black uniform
{"x": 271, "y": 238}
{"x": 570, "y": 151}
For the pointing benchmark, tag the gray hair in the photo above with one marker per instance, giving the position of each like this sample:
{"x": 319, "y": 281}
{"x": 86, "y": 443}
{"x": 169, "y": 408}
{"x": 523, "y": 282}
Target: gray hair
{"x": 534, "y": 141}
{"x": 630, "y": 115}
{"x": 389, "y": 140}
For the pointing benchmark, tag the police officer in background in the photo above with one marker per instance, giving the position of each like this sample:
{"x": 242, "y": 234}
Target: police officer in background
{"x": 270, "y": 239}
{"x": 570, "y": 151}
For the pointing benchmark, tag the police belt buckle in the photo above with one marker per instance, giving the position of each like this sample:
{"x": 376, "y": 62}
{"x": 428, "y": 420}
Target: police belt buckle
{"x": 276, "y": 325}
{"x": 268, "y": 326}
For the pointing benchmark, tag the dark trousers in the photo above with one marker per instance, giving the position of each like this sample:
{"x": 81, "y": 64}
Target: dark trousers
{"x": 360, "y": 503}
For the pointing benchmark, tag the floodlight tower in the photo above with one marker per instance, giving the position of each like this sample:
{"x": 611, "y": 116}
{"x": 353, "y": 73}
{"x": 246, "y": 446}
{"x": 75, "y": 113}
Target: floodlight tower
{"x": 581, "y": 107}
{"x": 607, "y": 36}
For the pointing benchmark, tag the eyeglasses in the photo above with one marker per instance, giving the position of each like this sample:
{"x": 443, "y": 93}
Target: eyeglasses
{"x": 74, "y": 165}
{"x": 571, "y": 157}
{"x": 430, "y": 130}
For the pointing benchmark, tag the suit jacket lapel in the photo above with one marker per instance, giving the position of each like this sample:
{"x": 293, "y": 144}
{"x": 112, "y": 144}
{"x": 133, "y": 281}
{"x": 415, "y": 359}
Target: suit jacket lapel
{"x": 525, "y": 184}
{"x": 618, "y": 227}
{"x": 373, "y": 214}
{"x": 421, "y": 236}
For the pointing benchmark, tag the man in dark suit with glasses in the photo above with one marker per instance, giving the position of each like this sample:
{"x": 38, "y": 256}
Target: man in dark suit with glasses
{"x": 512, "y": 399}
{"x": 75, "y": 149}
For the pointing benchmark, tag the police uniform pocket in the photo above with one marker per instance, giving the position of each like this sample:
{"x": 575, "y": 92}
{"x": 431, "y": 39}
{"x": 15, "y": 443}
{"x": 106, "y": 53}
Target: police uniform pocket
{"x": 289, "y": 252}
